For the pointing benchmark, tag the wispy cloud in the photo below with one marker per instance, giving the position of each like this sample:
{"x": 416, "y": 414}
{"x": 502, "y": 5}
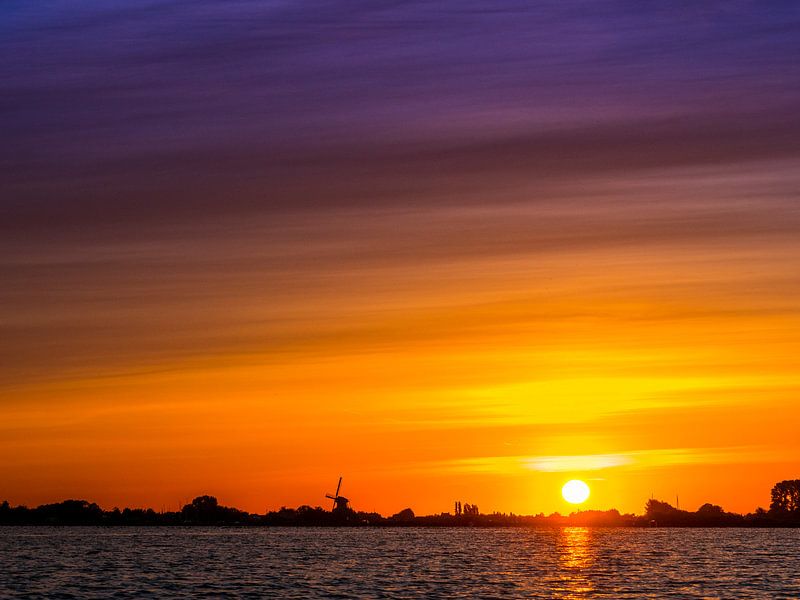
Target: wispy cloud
{"x": 450, "y": 230}
{"x": 633, "y": 460}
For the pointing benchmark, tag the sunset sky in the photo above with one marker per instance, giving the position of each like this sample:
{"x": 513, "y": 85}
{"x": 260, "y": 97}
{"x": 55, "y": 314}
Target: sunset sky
{"x": 447, "y": 250}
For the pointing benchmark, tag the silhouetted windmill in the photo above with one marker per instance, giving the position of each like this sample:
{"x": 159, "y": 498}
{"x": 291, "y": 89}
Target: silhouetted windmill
{"x": 339, "y": 502}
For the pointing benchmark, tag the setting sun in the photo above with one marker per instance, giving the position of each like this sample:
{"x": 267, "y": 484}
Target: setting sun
{"x": 575, "y": 491}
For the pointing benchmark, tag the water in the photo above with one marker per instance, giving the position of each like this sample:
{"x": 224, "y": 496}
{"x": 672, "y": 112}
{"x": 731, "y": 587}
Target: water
{"x": 399, "y": 563}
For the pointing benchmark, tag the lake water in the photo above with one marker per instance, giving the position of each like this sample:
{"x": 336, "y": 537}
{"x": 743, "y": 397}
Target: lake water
{"x": 399, "y": 563}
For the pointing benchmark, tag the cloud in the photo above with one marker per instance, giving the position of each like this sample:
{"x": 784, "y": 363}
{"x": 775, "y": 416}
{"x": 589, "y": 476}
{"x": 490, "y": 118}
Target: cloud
{"x": 126, "y": 117}
{"x": 631, "y": 461}
{"x": 590, "y": 462}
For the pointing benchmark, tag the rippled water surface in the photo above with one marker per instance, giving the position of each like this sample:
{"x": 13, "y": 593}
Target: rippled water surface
{"x": 399, "y": 563}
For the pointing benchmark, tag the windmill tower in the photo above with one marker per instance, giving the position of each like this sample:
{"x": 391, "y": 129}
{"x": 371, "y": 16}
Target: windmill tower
{"x": 339, "y": 502}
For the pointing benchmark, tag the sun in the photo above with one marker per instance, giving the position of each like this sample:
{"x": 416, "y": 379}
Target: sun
{"x": 575, "y": 491}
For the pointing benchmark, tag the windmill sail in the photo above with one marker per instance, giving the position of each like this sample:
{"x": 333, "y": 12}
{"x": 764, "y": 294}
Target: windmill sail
{"x": 339, "y": 502}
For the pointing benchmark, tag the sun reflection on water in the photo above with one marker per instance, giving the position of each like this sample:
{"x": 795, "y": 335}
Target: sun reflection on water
{"x": 575, "y": 558}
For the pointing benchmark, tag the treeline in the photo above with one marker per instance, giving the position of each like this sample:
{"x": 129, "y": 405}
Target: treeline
{"x": 203, "y": 510}
{"x": 784, "y": 511}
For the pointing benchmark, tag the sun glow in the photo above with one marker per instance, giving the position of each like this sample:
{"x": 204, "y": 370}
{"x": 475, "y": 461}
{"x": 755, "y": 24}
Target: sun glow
{"x": 575, "y": 491}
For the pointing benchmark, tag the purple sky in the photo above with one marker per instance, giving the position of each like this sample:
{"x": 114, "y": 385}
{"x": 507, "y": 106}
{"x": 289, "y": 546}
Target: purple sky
{"x": 132, "y": 127}
{"x": 168, "y": 106}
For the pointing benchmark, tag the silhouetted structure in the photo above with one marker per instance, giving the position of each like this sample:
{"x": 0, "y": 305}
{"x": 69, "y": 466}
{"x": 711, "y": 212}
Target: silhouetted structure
{"x": 339, "y": 502}
{"x": 205, "y": 510}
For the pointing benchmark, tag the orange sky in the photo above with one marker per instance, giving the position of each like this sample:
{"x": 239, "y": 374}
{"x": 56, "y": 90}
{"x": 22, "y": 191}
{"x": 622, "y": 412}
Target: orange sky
{"x": 244, "y": 254}
{"x": 422, "y": 373}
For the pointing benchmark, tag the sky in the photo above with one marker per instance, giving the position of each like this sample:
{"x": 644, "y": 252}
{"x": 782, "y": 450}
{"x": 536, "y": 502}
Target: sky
{"x": 448, "y": 251}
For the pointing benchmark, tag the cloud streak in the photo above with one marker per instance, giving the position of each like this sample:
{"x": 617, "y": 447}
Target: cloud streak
{"x": 418, "y": 221}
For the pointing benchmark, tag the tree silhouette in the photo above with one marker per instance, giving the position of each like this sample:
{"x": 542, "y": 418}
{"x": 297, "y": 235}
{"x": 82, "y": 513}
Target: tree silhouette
{"x": 471, "y": 509}
{"x": 786, "y": 498}
{"x": 656, "y": 508}
{"x": 710, "y": 510}
{"x": 205, "y": 503}
{"x": 404, "y": 516}
{"x": 205, "y": 510}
